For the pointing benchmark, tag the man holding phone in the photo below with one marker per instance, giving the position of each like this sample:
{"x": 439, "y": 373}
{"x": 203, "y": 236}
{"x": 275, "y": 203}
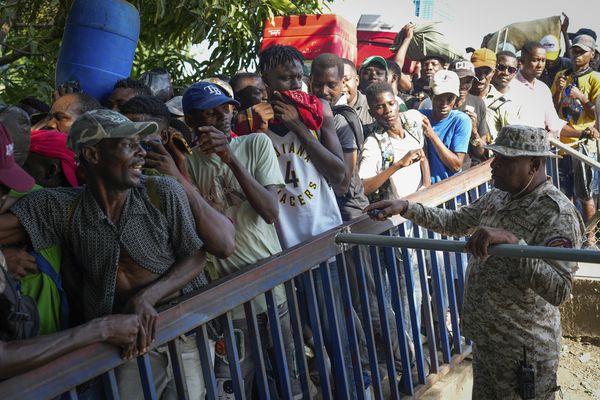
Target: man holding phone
{"x": 446, "y": 129}
{"x": 473, "y": 106}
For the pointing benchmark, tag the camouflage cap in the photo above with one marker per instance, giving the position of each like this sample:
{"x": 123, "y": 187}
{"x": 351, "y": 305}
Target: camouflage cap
{"x": 93, "y": 126}
{"x": 521, "y": 141}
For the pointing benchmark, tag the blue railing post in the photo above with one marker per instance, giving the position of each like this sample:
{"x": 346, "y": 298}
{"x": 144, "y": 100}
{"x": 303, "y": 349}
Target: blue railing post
{"x": 351, "y": 327}
{"x": 143, "y": 362}
{"x": 383, "y": 317}
{"x": 262, "y": 382}
{"x": 237, "y": 379}
{"x": 315, "y": 324}
{"x": 412, "y": 306}
{"x": 281, "y": 364}
{"x": 438, "y": 299}
{"x": 336, "y": 342}
{"x": 111, "y": 390}
{"x": 178, "y": 372}
{"x": 426, "y": 306}
{"x": 368, "y": 328}
{"x": 207, "y": 362}
{"x": 401, "y": 329}
{"x": 297, "y": 328}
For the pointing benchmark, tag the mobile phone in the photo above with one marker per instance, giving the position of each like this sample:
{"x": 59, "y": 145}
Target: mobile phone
{"x": 374, "y": 212}
{"x": 469, "y": 108}
{"x": 147, "y": 146}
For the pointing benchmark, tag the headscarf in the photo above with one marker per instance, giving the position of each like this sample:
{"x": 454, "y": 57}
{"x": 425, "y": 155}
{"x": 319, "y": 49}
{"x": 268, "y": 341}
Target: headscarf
{"x": 53, "y": 144}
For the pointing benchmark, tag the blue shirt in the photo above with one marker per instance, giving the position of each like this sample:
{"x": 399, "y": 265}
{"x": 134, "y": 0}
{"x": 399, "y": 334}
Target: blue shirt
{"x": 454, "y": 131}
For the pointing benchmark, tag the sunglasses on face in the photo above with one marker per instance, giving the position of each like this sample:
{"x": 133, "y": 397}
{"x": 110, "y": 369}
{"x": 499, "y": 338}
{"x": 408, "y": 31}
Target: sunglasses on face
{"x": 483, "y": 72}
{"x": 504, "y": 67}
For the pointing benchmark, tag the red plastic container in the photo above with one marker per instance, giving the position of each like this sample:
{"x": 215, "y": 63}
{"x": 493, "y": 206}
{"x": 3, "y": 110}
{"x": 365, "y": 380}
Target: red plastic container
{"x": 374, "y": 37}
{"x": 312, "y": 35}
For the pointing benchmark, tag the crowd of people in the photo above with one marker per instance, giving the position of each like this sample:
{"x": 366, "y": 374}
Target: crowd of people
{"x": 108, "y": 211}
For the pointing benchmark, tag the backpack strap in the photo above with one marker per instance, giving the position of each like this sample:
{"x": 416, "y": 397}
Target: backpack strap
{"x": 353, "y": 121}
{"x": 45, "y": 267}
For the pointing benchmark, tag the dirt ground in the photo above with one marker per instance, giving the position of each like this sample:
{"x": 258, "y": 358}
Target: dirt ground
{"x": 579, "y": 369}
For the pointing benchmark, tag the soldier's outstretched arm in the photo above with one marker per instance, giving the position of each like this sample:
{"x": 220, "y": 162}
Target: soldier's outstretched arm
{"x": 447, "y": 222}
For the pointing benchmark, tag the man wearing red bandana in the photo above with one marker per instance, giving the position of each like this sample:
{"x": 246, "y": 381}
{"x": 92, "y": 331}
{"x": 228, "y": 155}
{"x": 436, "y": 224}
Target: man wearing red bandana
{"x": 311, "y": 160}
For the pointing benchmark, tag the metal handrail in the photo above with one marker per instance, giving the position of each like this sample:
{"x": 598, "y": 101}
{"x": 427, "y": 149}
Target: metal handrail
{"x": 459, "y": 246}
{"x": 225, "y": 294}
{"x": 575, "y": 154}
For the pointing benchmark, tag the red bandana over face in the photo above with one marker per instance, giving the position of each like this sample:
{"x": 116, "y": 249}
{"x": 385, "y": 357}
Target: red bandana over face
{"x": 309, "y": 108}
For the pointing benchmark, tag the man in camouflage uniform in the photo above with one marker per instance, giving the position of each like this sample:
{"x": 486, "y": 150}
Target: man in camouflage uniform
{"x": 510, "y": 302}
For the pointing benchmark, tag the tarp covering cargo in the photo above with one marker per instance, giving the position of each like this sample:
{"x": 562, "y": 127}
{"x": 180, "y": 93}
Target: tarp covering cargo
{"x": 429, "y": 41}
{"x": 519, "y": 33}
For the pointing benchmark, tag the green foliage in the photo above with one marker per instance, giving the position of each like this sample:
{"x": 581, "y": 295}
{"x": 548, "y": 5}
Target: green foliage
{"x": 32, "y": 29}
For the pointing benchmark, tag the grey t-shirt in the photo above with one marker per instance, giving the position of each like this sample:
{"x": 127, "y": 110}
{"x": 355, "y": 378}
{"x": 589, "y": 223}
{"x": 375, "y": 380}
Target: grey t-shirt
{"x": 480, "y": 109}
{"x": 354, "y": 201}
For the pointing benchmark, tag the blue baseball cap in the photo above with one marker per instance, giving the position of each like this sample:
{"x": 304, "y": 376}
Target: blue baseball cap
{"x": 204, "y": 96}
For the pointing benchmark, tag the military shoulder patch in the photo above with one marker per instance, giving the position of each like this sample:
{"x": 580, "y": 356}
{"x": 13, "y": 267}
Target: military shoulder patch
{"x": 560, "y": 241}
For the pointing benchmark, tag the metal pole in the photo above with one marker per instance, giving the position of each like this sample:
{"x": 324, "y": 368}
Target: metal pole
{"x": 574, "y": 153}
{"x": 458, "y": 246}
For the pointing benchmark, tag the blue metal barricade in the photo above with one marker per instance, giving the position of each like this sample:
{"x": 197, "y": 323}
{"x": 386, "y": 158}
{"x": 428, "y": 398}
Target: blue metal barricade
{"x": 372, "y": 321}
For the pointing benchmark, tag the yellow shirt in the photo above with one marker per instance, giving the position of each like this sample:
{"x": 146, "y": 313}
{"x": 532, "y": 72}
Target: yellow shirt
{"x": 588, "y": 84}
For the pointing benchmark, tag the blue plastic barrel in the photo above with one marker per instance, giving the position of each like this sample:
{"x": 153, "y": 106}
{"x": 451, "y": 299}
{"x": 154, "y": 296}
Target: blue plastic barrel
{"x": 98, "y": 45}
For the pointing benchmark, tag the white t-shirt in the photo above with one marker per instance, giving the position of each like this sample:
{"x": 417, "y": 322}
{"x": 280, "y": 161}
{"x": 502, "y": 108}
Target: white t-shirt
{"x": 307, "y": 204}
{"x": 406, "y": 180}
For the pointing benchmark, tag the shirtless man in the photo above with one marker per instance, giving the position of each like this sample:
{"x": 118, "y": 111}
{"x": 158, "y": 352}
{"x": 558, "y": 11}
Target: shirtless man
{"x": 132, "y": 253}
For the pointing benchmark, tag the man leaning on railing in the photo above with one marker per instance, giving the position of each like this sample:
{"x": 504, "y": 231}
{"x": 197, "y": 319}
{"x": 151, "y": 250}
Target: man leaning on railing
{"x": 511, "y": 304}
{"x": 133, "y": 254}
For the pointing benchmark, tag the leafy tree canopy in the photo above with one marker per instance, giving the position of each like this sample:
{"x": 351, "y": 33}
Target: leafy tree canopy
{"x": 31, "y": 31}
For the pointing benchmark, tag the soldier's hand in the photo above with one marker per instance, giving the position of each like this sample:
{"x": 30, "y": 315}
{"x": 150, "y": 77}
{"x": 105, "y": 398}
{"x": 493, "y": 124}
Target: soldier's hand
{"x": 386, "y": 208}
{"x": 486, "y": 236}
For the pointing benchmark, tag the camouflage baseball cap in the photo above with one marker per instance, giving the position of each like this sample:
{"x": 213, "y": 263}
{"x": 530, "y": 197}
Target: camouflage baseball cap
{"x": 521, "y": 141}
{"x": 93, "y": 126}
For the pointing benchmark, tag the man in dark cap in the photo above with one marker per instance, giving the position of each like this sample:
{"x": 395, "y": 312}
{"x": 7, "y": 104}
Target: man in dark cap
{"x": 100, "y": 226}
{"x": 511, "y": 303}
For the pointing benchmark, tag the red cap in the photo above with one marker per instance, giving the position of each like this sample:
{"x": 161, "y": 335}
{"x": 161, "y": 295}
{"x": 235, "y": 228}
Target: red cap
{"x": 11, "y": 174}
{"x": 53, "y": 144}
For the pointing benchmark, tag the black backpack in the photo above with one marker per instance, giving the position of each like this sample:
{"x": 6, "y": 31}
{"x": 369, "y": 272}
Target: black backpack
{"x": 354, "y": 121}
{"x": 19, "y": 318}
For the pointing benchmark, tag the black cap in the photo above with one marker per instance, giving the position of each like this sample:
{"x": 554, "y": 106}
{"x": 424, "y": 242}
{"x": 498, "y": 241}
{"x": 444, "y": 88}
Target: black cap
{"x": 583, "y": 31}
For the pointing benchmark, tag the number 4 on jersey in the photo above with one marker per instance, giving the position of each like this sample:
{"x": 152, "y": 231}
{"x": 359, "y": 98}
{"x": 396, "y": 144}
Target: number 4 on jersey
{"x": 290, "y": 175}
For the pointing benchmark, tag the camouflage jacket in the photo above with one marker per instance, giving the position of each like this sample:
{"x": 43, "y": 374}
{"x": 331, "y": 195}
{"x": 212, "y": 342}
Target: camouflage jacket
{"x": 513, "y": 301}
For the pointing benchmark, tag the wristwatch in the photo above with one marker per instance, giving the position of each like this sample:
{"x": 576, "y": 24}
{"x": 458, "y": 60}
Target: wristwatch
{"x": 476, "y": 142}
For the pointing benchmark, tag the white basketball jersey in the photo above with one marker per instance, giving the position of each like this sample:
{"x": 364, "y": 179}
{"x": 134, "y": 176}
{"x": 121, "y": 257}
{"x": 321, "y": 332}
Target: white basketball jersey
{"x": 307, "y": 205}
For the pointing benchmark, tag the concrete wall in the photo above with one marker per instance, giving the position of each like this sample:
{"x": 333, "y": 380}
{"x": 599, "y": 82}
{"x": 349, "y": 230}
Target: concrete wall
{"x": 581, "y": 315}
